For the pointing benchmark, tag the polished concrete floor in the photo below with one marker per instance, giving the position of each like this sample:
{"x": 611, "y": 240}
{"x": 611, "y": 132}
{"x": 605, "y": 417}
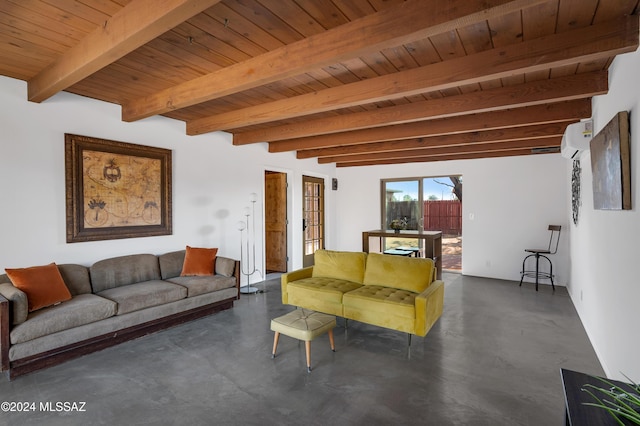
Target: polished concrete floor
{"x": 492, "y": 359}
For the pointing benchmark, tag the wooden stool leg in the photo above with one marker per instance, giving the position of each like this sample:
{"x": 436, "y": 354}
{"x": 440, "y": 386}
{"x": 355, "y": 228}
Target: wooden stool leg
{"x": 331, "y": 341}
{"x": 307, "y": 348}
{"x": 275, "y": 344}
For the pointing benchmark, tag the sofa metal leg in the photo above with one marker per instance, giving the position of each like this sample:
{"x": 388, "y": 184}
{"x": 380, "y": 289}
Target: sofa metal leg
{"x": 409, "y": 341}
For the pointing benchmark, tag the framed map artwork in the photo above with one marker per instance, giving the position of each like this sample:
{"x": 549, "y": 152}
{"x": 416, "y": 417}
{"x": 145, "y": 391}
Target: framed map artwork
{"x": 116, "y": 189}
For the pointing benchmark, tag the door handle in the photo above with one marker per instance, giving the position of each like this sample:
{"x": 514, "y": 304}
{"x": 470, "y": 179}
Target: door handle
{"x": 304, "y": 224}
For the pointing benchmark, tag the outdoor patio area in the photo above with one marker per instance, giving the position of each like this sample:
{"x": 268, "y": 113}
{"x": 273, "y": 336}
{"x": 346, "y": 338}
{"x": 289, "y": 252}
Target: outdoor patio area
{"x": 452, "y": 253}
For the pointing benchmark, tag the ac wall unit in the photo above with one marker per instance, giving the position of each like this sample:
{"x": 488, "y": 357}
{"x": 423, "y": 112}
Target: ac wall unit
{"x": 576, "y": 139}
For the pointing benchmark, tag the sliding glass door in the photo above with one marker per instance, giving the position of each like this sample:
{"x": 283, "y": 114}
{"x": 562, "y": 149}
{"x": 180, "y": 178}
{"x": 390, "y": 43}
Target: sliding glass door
{"x": 421, "y": 204}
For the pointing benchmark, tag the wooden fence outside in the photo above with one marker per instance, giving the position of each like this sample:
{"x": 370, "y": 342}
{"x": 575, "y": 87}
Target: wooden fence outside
{"x": 443, "y": 215}
{"x": 439, "y": 215}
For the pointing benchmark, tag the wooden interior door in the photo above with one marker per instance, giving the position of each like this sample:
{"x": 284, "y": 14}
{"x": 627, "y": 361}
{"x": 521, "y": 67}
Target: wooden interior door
{"x": 312, "y": 217}
{"x": 275, "y": 221}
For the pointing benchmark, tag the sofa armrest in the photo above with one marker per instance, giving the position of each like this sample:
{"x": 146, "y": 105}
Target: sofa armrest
{"x": 19, "y": 305}
{"x": 429, "y": 305}
{"x": 236, "y": 274}
{"x": 228, "y": 267}
{"x": 4, "y": 333}
{"x": 293, "y": 276}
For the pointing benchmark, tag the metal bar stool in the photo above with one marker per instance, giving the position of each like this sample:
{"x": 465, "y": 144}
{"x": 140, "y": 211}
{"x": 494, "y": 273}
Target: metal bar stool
{"x": 540, "y": 253}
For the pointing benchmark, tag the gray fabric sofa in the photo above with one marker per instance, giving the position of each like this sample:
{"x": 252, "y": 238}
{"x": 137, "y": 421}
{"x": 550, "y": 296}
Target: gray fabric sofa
{"x": 113, "y": 300}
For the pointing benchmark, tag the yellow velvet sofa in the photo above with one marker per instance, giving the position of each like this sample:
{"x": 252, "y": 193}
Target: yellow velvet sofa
{"x": 395, "y": 292}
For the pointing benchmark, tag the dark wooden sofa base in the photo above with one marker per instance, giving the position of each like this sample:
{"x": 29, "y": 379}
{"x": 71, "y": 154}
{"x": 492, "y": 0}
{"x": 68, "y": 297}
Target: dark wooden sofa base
{"x": 76, "y": 350}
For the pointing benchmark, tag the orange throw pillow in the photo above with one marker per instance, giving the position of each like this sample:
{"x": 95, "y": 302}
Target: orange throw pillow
{"x": 199, "y": 261}
{"x": 43, "y": 285}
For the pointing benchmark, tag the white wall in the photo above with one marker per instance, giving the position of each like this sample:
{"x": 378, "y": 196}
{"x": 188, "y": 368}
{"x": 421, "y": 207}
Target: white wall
{"x": 512, "y": 201}
{"x": 604, "y": 284}
{"x": 212, "y": 180}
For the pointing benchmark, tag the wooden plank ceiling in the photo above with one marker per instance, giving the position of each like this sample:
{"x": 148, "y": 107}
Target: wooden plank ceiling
{"x": 351, "y": 82}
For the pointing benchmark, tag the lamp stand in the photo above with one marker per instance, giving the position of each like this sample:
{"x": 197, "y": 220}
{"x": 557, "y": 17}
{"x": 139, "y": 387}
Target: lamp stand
{"x": 250, "y": 270}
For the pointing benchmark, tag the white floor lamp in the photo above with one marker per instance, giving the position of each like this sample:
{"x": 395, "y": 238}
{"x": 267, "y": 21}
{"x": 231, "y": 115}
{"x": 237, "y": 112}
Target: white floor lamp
{"x": 250, "y": 263}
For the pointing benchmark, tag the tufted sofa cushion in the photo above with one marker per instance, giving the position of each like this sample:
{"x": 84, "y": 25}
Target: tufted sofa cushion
{"x": 341, "y": 265}
{"x": 404, "y": 273}
{"x": 320, "y": 294}
{"x": 384, "y": 300}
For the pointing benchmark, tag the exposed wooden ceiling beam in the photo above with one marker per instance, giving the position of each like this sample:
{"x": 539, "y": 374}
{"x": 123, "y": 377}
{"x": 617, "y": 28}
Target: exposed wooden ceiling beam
{"x": 487, "y": 136}
{"x": 527, "y": 94}
{"x": 446, "y": 157}
{"x": 411, "y": 21}
{"x": 585, "y": 44}
{"x": 539, "y": 114}
{"x": 134, "y": 25}
{"x": 483, "y": 148}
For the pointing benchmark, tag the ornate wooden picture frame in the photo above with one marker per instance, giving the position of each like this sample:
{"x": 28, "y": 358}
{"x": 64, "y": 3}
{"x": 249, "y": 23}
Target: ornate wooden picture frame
{"x": 116, "y": 189}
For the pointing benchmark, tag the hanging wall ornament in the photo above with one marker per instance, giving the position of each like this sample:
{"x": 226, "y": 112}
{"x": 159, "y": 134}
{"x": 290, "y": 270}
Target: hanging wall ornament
{"x": 575, "y": 190}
